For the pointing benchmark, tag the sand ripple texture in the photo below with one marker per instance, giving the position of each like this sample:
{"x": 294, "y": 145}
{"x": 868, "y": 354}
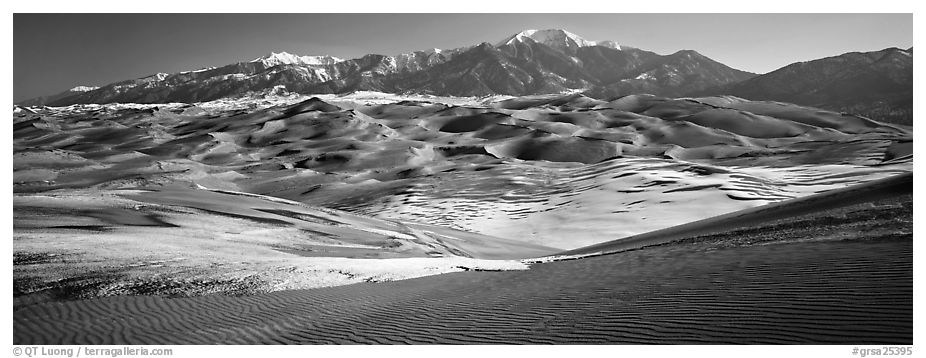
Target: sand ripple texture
{"x": 831, "y": 292}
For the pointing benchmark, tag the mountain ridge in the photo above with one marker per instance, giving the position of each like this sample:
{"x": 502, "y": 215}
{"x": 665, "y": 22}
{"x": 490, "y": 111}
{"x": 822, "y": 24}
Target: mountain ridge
{"x": 530, "y": 62}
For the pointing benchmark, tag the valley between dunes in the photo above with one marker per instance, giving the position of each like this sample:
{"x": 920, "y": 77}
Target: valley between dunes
{"x": 539, "y": 219}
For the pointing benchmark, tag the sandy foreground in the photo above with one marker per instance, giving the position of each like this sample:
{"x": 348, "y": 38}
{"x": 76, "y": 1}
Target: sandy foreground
{"x": 835, "y": 274}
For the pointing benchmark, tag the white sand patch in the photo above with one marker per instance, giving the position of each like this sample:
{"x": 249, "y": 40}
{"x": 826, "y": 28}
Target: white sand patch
{"x": 554, "y": 258}
{"x": 188, "y": 256}
{"x": 267, "y": 99}
{"x": 333, "y": 271}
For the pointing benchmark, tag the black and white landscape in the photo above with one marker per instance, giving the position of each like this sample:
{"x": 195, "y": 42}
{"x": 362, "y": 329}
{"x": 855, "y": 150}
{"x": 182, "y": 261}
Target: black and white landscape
{"x": 539, "y": 188}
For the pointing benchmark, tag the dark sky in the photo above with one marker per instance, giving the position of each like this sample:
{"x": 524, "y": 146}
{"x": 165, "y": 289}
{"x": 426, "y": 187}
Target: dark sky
{"x": 54, "y": 52}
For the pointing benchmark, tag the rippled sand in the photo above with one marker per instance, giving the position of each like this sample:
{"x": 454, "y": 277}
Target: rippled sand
{"x": 836, "y": 275}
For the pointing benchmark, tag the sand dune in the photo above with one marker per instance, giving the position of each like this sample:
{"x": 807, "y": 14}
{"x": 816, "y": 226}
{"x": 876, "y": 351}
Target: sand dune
{"x": 557, "y": 149}
{"x": 409, "y": 159}
{"x": 845, "y": 123}
{"x": 413, "y": 177}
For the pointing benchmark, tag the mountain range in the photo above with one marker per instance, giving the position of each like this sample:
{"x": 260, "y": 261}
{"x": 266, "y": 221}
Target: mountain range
{"x": 876, "y": 84}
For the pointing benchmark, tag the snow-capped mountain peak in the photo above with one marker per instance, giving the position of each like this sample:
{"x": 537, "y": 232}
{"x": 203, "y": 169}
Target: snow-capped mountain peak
{"x": 281, "y": 58}
{"x": 556, "y": 38}
{"x": 549, "y": 37}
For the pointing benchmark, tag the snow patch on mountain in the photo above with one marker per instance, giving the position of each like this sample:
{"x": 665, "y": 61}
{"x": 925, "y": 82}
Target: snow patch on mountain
{"x": 83, "y": 88}
{"x": 610, "y": 44}
{"x": 160, "y": 76}
{"x": 199, "y": 70}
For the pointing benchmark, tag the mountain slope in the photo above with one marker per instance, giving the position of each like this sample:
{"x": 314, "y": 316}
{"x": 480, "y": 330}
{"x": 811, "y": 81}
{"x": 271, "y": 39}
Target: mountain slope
{"x": 877, "y": 84}
{"x": 678, "y": 74}
{"x": 38, "y": 101}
